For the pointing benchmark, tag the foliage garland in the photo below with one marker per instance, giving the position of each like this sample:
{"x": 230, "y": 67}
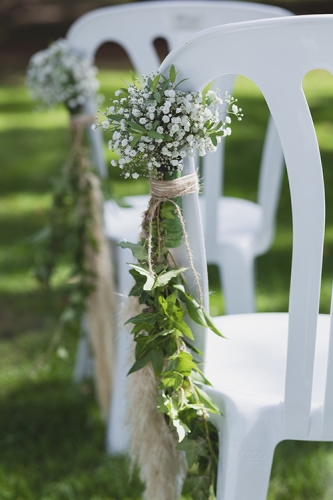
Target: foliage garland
{"x": 60, "y": 75}
{"x": 154, "y": 126}
{"x": 67, "y": 235}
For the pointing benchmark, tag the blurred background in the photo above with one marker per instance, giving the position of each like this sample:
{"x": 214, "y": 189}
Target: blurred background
{"x": 27, "y": 26}
{"x": 52, "y": 437}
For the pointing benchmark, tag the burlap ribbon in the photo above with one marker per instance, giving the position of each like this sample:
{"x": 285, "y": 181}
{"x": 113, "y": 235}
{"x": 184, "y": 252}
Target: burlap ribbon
{"x": 101, "y": 301}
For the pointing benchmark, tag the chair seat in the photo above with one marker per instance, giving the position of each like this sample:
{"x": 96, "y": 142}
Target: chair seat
{"x": 237, "y": 218}
{"x": 252, "y": 358}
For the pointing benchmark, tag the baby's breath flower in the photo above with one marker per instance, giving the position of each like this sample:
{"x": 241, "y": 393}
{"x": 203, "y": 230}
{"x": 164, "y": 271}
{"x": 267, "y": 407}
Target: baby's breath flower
{"x": 60, "y": 75}
{"x": 148, "y": 134}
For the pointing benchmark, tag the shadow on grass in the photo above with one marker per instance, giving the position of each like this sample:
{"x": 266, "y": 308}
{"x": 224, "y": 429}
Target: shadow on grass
{"x": 31, "y": 158}
{"x": 26, "y": 311}
{"x": 52, "y": 445}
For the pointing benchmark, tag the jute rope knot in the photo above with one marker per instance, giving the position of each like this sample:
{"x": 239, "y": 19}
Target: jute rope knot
{"x": 176, "y": 187}
{"x": 165, "y": 191}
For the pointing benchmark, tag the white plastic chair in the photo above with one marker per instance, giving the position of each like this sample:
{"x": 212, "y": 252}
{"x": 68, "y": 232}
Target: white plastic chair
{"x": 273, "y": 375}
{"x": 238, "y": 230}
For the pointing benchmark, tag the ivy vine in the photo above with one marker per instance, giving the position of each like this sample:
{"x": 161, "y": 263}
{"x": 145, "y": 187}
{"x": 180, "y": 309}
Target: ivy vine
{"x": 68, "y": 233}
{"x": 164, "y": 339}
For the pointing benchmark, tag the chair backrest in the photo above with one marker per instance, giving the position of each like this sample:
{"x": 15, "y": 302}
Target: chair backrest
{"x": 276, "y": 54}
{"x": 135, "y": 27}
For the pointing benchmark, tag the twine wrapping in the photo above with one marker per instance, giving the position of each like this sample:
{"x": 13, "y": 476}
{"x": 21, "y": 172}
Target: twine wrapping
{"x": 165, "y": 191}
{"x": 80, "y": 121}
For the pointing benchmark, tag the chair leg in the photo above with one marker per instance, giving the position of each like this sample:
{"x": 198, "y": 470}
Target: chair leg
{"x": 246, "y": 455}
{"x": 83, "y": 367}
{"x": 236, "y": 267}
{"x": 117, "y": 435}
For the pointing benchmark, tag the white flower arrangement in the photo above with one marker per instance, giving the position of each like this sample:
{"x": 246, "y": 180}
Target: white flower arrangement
{"x": 156, "y": 125}
{"x": 61, "y": 75}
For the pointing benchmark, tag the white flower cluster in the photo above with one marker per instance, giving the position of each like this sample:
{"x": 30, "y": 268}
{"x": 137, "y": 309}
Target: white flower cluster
{"x": 155, "y": 125}
{"x": 61, "y": 75}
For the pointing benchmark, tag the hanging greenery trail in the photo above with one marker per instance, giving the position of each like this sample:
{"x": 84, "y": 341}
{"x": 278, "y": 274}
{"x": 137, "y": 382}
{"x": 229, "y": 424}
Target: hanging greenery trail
{"x": 164, "y": 339}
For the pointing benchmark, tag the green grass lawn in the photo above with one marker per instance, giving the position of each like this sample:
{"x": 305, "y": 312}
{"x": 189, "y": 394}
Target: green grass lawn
{"x": 52, "y": 440}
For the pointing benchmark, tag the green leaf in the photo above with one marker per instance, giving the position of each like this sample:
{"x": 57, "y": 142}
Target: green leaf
{"x": 211, "y": 325}
{"x": 207, "y": 401}
{"x": 167, "y": 211}
{"x": 135, "y": 140}
{"x": 157, "y": 359}
{"x": 199, "y": 378}
{"x": 137, "y": 126}
{"x": 218, "y": 126}
{"x": 213, "y": 139}
{"x": 136, "y": 290}
{"x": 140, "y": 363}
{"x": 181, "y": 429}
{"x": 184, "y": 328}
{"x": 139, "y": 330}
{"x": 138, "y": 251}
{"x": 155, "y": 135}
{"x": 185, "y": 363}
{"x": 172, "y": 379}
{"x": 163, "y": 279}
{"x": 194, "y": 311}
{"x": 157, "y": 97}
{"x": 144, "y": 317}
{"x": 150, "y": 83}
{"x": 156, "y": 81}
{"x": 181, "y": 81}
{"x": 173, "y": 74}
{"x": 191, "y": 449}
{"x": 161, "y": 407}
{"x": 115, "y": 118}
{"x": 150, "y": 280}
